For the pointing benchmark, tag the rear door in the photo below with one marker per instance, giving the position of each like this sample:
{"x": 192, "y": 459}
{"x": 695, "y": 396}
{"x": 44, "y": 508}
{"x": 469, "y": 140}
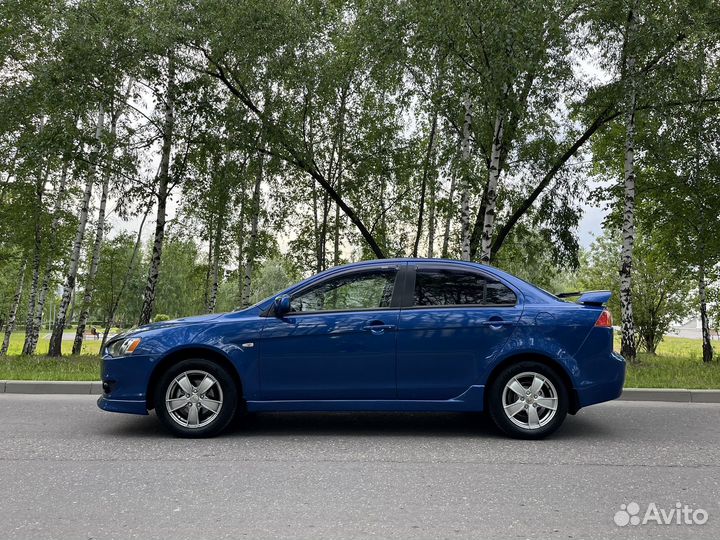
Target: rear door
{"x": 457, "y": 320}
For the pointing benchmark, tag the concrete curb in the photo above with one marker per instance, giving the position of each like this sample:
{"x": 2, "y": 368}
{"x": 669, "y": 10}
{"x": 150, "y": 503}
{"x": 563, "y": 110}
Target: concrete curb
{"x": 668, "y": 395}
{"x": 51, "y": 387}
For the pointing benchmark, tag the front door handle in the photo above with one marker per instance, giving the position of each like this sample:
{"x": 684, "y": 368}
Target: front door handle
{"x": 378, "y": 327}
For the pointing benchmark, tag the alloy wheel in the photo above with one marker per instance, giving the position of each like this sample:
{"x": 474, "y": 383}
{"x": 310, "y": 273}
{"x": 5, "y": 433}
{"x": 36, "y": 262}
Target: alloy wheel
{"x": 530, "y": 400}
{"x": 194, "y": 399}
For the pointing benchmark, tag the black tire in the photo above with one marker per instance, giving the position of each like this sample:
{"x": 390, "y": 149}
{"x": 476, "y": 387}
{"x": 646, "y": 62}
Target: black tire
{"x": 208, "y": 422}
{"x": 497, "y": 399}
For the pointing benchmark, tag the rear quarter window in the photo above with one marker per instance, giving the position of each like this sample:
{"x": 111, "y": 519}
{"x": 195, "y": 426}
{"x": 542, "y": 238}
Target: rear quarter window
{"x": 448, "y": 287}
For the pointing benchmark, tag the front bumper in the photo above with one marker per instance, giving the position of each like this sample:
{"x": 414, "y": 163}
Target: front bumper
{"x": 125, "y": 381}
{"x": 122, "y": 405}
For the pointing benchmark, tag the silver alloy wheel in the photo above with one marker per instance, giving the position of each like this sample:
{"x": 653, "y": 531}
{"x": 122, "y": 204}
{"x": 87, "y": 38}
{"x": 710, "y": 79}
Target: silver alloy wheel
{"x": 194, "y": 399}
{"x": 530, "y": 400}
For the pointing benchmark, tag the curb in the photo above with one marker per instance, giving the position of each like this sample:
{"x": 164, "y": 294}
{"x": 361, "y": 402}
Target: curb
{"x": 672, "y": 395}
{"x": 667, "y": 395}
{"x": 51, "y": 387}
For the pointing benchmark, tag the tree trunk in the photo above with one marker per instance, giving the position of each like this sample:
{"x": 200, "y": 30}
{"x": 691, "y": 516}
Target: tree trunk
{"x": 94, "y": 261}
{"x": 148, "y": 306}
{"x": 336, "y": 232}
{"x": 10, "y": 325}
{"x": 28, "y": 347}
{"x": 126, "y": 279}
{"x": 316, "y": 228}
{"x": 33, "y": 334}
{"x": 628, "y": 342}
{"x": 215, "y": 266}
{"x": 431, "y": 216}
{"x": 339, "y": 175}
{"x": 707, "y": 347}
{"x": 241, "y": 248}
{"x": 448, "y": 219}
{"x": 465, "y": 197}
{"x": 423, "y": 186}
{"x": 492, "y": 185}
{"x": 208, "y": 272}
{"x": 10, "y": 174}
{"x": 55, "y": 348}
{"x": 252, "y": 247}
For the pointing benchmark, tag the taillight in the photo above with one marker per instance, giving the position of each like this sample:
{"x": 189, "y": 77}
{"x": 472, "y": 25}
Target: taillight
{"x": 604, "y": 320}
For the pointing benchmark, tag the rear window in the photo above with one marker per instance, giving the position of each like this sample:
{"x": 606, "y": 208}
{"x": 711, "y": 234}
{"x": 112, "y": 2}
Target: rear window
{"x": 445, "y": 287}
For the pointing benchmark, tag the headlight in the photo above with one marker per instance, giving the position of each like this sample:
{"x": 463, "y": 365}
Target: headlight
{"x": 123, "y": 347}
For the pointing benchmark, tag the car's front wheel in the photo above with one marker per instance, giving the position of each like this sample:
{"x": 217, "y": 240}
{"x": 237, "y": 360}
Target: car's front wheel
{"x": 196, "y": 398}
{"x": 528, "y": 400}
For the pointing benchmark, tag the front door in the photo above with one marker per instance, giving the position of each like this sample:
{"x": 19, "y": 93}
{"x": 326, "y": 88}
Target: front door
{"x": 456, "y": 324}
{"x": 336, "y": 343}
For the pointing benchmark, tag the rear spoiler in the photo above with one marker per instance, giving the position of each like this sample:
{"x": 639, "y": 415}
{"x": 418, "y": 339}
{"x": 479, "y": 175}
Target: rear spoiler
{"x": 589, "y": 298}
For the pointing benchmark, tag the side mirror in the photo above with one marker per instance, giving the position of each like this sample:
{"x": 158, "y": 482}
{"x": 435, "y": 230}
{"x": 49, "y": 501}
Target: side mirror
{"x": 281, "y": 305}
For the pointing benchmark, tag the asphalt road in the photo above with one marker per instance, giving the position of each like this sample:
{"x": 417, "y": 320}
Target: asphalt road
{"x": 69, "y": 470}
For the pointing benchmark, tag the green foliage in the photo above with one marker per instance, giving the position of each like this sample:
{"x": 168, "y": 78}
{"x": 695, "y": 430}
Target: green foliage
{"x": 160, "y": 317}
{"x": 660, "y": 290}
{"x": 327, "y": 108}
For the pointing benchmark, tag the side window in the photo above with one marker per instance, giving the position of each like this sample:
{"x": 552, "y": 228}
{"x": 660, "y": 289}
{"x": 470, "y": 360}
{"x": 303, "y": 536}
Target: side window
{"x": 362, "y": 290}
{"x": 445, "y": 287}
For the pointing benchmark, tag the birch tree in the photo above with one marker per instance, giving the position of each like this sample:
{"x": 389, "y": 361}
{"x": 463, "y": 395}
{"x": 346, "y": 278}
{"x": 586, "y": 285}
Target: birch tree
{"x": 163, "y": 181}
{"x": 627, "y": 347}
{"x": 55, "y": 348}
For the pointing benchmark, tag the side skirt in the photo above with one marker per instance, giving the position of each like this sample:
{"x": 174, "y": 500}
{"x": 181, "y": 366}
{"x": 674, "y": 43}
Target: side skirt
{"x": 470, "y": 400}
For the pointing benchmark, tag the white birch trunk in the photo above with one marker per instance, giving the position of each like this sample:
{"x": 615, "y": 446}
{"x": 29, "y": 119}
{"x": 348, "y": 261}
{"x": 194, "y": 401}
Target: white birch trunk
{"x": 37, "y": 248}
{"x": 241, "y": 248}
{"x": 33, "y": 334}
{"x": 94, "y": 263}
{"x": 628, "y": 346}
{"x": 465, "y": 196}
{"x": 431, "y": 217}
{"x": 492, "y": 186}
{"x": 10, "y": 325}
{"x": 212, "y": 300}
{"x": 707, "y": 347}
{"x": 55, "y": 348}
{"x": 148, "y": 306}
{"x": 448, "y": 219}
{"x": 252, "y": 246}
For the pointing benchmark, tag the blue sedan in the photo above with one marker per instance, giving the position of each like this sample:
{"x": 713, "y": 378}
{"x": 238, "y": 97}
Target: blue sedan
{"x": 383, "y": 335}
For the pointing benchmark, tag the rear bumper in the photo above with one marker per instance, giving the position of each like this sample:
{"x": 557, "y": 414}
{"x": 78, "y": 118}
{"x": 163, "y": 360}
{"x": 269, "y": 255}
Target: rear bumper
{"x": 122, "y": 405}
{"x": 609, "y": 388}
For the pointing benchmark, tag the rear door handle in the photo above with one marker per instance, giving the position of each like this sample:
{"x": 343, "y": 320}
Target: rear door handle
{"x": 498, "y": 322}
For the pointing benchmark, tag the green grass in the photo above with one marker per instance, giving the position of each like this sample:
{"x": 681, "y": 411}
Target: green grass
{"x": 90, "y": 346}
{"x": 82, "y": 367}
{"x": 43, "y": 368}
{"x": 678, "y": 364}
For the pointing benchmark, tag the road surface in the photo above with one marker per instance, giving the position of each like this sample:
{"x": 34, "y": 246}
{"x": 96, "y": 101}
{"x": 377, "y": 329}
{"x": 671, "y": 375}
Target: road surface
{"x": 69, "y": 470}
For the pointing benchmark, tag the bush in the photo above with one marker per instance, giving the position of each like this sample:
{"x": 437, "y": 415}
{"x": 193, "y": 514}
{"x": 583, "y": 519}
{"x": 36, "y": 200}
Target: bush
{"x": 160, "y": 317}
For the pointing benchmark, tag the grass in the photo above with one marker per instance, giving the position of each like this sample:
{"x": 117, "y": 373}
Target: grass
{"x": 82, "y": 367}
{"x": 43, "y": 368}
{"x": 678, "y": 364}
{"x": 90, "y": 345}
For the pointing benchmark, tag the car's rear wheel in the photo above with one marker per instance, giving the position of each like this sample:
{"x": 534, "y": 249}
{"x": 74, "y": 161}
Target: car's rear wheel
{"x": 528, "y": 400}
{"x": 196, "y": 398}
